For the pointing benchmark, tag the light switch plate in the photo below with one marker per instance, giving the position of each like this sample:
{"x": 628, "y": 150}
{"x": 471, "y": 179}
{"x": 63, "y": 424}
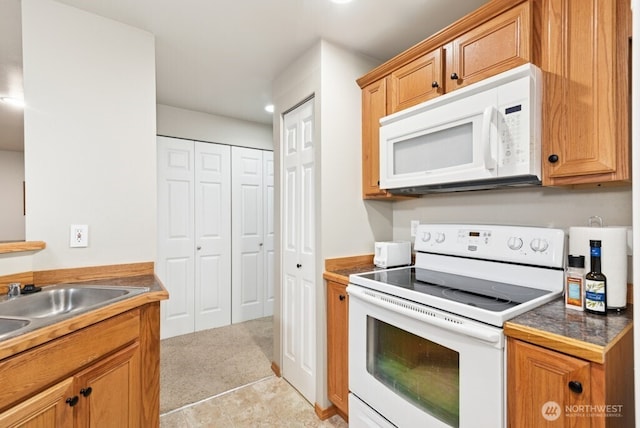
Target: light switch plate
{"x": 414, "y": 227}
{"x": 79, "y": 236}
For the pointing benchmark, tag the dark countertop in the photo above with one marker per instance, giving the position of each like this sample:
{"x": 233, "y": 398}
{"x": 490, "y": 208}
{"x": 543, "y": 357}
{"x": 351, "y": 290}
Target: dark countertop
{"x": 572, "y": 332}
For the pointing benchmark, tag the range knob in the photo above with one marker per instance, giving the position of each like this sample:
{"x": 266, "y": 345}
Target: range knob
{"x": 439, "y": 237}
{"x": 539, "y": 245}
{"x": 515, "y": 243}
{"x": 426, "y": 236}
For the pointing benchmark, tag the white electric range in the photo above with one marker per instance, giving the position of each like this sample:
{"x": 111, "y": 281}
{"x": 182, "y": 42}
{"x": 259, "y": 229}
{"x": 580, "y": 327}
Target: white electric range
{"x": 425, "y": 342}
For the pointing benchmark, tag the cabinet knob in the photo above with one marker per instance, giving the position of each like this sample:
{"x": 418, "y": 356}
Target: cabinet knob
{"x": 454, "y": 76}
{"x": 575, "y": 386}
{"x": 72, "y": 401}
{"x": 86, "y": 391}
{"x": 342, "y": 297}
{"x": 198, "y": 248}
{"x": 434, "y": 84}
{"x": 298, "y": 265}
{"x": 553, "y": 158}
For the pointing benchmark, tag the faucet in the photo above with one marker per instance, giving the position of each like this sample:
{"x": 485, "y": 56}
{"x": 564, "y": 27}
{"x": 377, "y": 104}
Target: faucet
{"x": 14, "y": 289}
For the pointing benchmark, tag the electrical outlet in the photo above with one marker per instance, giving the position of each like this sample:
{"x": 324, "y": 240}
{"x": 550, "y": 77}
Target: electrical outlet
{"x": 414, "y": 227}
{"x": 78, "y": 235}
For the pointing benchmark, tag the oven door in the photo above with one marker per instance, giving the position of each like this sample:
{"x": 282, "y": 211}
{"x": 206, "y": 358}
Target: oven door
{"x": 418, "y": 366}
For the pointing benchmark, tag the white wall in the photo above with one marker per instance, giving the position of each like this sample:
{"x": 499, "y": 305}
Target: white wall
{"x": 547, "y": 207}
{"x": 89, "y": 137}
{"x": 194, "y": 125}
{"x": 12, "y": 212}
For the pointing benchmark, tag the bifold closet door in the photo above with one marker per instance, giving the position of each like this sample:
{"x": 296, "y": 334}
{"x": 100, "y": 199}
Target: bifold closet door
{"x": 298, "y": 209}
{"x": 248, "y": 234}
{"x": 194, "y": 239}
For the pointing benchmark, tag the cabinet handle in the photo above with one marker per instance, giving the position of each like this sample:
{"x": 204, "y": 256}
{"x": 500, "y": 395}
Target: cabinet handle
{"x": 86, "y": 391}
{"x": 553, "y": 158}
{"x": 454, "y": 76}
{"x": 72, "y": 401}
{"x": 342, "y": 297}
{"x": 298, "y": 265}
{"x": 434, "y": 84}
{"x": 575, "y": 386}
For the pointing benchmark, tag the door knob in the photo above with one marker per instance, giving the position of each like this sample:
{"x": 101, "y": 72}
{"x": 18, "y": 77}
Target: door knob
{"x": 298, "y": 265}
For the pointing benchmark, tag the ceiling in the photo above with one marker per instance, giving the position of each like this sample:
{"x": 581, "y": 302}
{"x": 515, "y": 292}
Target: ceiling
{"x": 220, "y": 56}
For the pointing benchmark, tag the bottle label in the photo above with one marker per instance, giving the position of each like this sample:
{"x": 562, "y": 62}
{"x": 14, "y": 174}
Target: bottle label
{"x": 595, "y": 299}
{"x": 574, "y": 291}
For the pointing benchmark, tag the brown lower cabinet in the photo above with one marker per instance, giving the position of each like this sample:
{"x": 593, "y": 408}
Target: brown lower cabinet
{"x": 338, "y": 347}
{"x": 546, "y": 388}
{"x": 93, "y": 377}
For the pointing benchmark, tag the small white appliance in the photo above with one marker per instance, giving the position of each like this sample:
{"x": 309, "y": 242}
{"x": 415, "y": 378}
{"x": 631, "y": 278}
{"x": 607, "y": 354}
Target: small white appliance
{"x": 484, "y": 135}
{"x": 392, "y": 253}
{"x": 426, "y": 345}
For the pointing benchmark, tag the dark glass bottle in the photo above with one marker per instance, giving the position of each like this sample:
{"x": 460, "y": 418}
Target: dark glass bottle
{"x": 595, "y": 284}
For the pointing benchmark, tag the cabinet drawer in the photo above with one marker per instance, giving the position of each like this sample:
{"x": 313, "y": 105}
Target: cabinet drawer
{"x": 32, "y": 371}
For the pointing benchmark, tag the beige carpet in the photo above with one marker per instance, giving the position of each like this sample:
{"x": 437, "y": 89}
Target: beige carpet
{"x": 206, "y": 363}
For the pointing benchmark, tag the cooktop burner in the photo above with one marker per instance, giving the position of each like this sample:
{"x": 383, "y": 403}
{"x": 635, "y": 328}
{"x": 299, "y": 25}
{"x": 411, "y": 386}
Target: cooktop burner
{"x": 489, "y": 295}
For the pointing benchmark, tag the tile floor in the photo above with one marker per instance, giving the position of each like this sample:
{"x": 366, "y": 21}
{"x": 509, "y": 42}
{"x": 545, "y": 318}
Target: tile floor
{"x": 267, "y": 403}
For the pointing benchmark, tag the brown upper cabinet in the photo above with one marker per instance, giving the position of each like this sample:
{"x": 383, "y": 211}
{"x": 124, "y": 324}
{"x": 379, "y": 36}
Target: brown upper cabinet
{"x": 583, "y": 53}
{"x": 585, "y": 56}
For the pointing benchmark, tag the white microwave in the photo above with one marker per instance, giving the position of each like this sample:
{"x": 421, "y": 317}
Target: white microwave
{"x": 482, "y": 136}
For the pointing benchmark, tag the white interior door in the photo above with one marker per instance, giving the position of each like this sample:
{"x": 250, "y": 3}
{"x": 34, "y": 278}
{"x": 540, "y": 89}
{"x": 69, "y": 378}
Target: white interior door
{"x": 248, "y": 275}
{"x": 269, "y": 231}
{"x": 298, "y": 250}
{"x": 212, "y": 235}
{"x": 175, "y": 266}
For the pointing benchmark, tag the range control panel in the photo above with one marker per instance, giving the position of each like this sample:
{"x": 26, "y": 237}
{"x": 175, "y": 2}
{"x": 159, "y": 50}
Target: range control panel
{"x": 518, "y": 244}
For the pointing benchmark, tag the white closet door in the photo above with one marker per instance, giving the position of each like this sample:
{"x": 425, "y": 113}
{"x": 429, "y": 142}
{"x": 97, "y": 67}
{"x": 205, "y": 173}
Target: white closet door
{"x": 212, "y": 235}
{"x": 298, "y": 246}
{"x": 247, "y": 230}
{"x": 175, "y": 266}
{"x": 269, "y": 231}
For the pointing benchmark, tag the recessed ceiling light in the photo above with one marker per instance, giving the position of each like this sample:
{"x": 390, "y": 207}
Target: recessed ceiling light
{"x": 340, "y": 1}
{"x": 269, "y": 108}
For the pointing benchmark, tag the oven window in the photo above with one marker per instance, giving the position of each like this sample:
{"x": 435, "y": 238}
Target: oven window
{"x": 422, "y": 372}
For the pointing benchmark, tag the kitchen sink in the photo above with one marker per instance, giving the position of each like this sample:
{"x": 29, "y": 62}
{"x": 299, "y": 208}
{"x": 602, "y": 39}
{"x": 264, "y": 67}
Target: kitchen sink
{"x": 9, "y": 325}
{"x": 28, "y": 312}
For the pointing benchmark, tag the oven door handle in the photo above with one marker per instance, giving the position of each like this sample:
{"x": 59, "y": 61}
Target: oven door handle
{"x": 421, "y": 314}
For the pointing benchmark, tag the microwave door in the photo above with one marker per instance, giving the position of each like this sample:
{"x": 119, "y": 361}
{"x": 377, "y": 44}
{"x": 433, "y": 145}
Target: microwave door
{"x": 459, "y": 150}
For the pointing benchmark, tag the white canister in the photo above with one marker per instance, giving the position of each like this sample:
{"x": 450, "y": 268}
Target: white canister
{"x": 614, "y": 258}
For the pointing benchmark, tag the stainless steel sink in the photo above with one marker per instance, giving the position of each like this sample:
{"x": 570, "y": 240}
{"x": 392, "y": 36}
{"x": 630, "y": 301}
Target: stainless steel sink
{"x": 28, "y": 312}
{"x": 9, "y": 325}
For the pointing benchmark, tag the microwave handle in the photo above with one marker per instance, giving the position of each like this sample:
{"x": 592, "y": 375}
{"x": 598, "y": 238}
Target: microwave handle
{"x": 488, "y": 123}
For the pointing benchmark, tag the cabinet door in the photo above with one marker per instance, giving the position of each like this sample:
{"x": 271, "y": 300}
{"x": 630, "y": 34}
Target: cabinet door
{"x": 44, "y": 410}
{"x": 585, "y": 56}
{"x": 540, "y": 383}
{"x": 338, "y": 345}
{"x": 109, "y": 392}
{"x": 497, "y": 45}
{"x": 374, "y": 107}
{"x": 418, "y": 81}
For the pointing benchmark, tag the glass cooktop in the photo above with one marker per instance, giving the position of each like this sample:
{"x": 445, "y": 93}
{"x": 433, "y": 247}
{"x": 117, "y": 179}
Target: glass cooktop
{"x": 489, "y": 295}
